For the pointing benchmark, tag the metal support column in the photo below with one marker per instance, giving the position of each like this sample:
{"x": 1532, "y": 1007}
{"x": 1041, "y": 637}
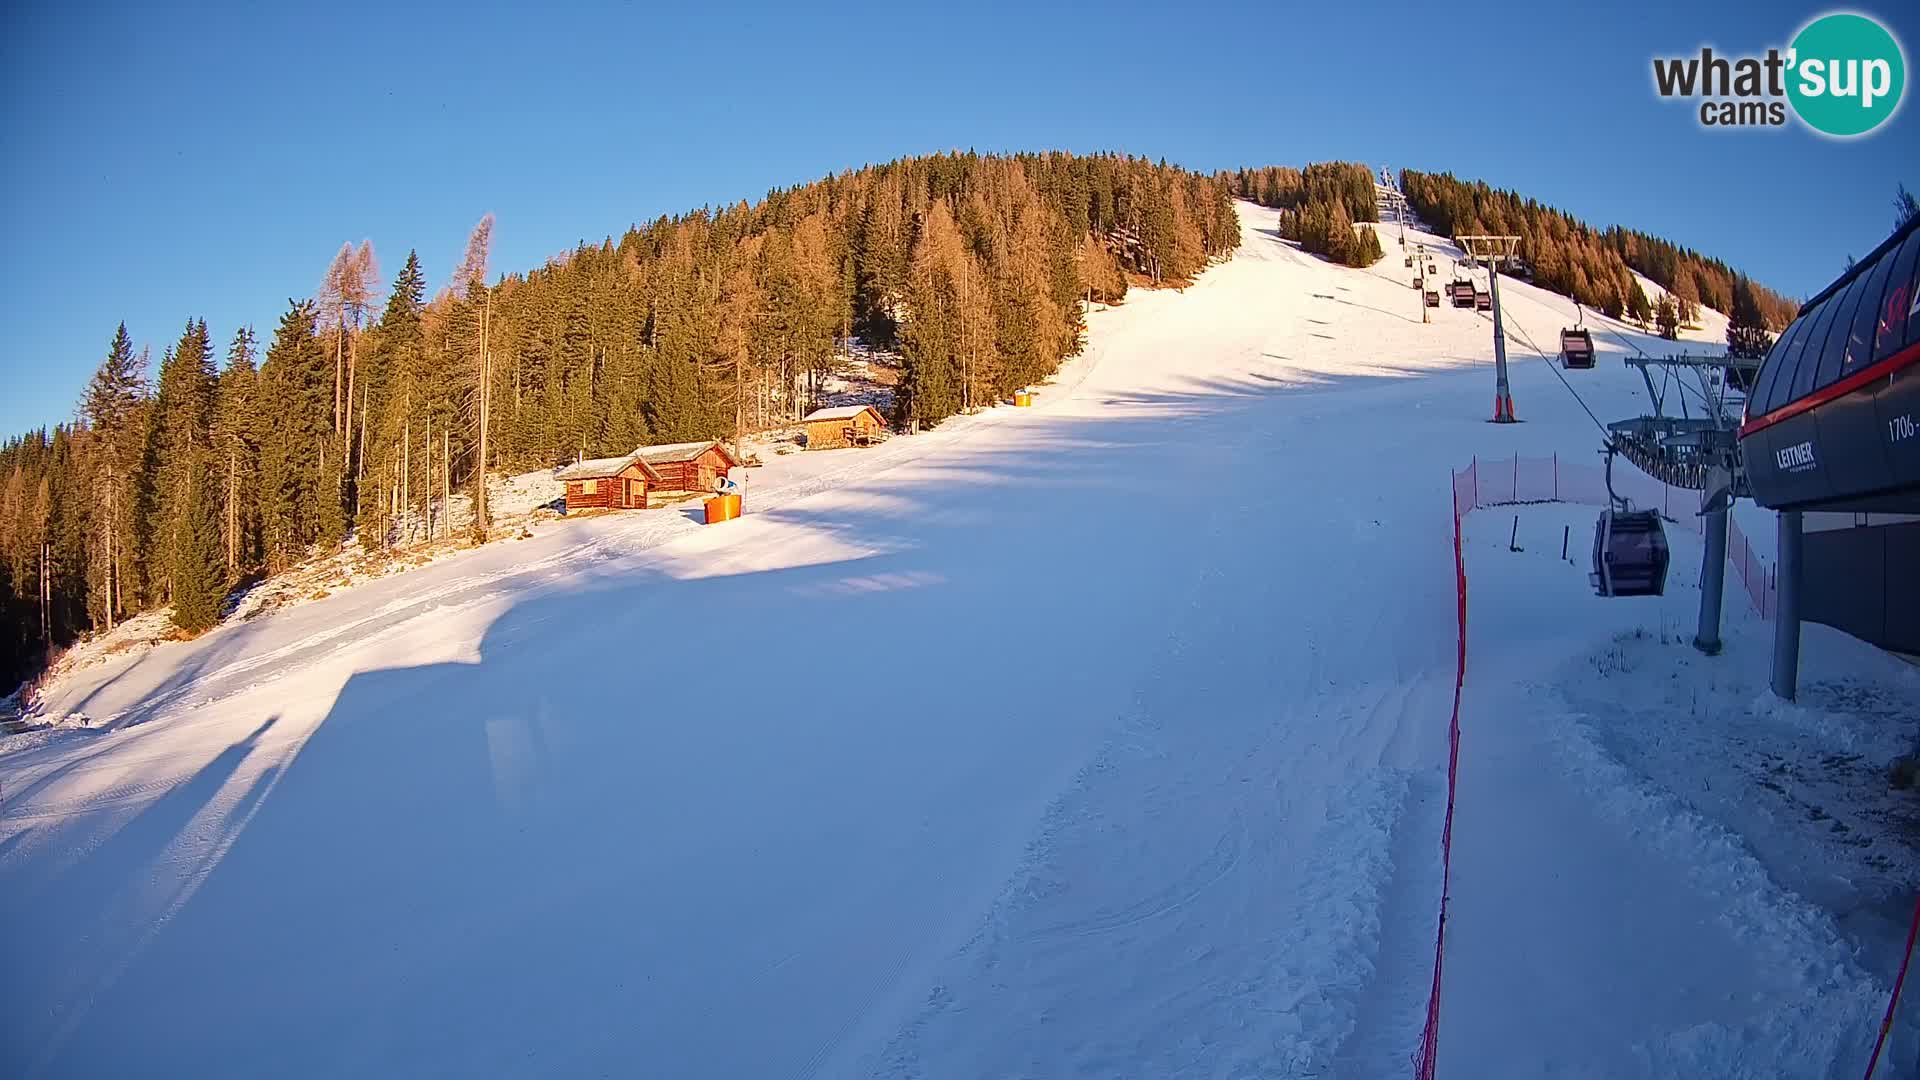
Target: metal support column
{"x": 1503, "y": 395}
{"x": 1713, "y": 583}
{"x": 1786, "y": 622}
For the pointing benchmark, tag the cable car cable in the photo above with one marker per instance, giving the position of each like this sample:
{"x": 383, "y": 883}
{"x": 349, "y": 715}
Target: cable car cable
{"x": 1514, "y": 326}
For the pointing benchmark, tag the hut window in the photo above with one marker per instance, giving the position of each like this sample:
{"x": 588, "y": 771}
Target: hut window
{"x": 589, "y": 487}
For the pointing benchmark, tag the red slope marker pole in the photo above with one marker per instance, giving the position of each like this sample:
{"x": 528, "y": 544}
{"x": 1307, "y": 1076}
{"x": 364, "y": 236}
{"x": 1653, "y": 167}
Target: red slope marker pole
{"x": 1886, "y": 1022}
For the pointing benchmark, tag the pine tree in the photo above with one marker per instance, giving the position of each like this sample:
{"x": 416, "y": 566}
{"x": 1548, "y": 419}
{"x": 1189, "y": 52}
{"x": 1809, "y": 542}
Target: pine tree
{"x": 183, "y": 416}
{"x": 1639, "y": 308}
{"x": 930, "y": 389}
{"x": 300, "y": 492}
{"x": 198, "y": 571}
{"x": 1666, "y": 316}
{"x": 1686, "y": 299}
{"x": 235, "y": 446}
{"x": 1366, "y": 248}
{"x": 1747, "y": 335}
{"x": 392, "y": 398}
{"x": 111, "y": 406}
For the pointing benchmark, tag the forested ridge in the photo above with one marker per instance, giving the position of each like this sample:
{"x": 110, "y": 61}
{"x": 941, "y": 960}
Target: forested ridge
{"x": 1592, "y": 265}
{"x": 370, "y": 401}
{"x": 1319, "y": 206}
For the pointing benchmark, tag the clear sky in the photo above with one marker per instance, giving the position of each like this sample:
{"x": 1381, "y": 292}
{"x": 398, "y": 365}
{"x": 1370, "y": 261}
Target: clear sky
{"x": 168, "y": 161}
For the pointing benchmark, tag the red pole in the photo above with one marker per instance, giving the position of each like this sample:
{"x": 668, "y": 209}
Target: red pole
{"x": 1886, "y": 1023}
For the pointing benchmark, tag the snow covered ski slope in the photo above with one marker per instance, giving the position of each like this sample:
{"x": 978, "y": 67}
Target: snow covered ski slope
{"x": 1105, "y": 738}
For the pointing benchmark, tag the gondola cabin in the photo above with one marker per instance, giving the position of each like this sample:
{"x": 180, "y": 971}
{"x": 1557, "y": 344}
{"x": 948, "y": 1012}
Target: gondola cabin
{"x": 617, "y": 483}
{"x": 1576, "y": 349}
{"x": 689, "y": 466}
{"x": 1433, "y": 297}
{"x": 1629, "y": 554}
{"x": 1482, "y": 300}
{"x": 1462, "y": 294}
{"x": 847, "y": 425}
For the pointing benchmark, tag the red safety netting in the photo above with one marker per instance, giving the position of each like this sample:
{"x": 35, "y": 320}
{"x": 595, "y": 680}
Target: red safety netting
{"x": 1524, "y": 480}
{"x": 1517, "y": 479}
{"x": 1756, "y": 576}
{"x": 1426, "y": 1059}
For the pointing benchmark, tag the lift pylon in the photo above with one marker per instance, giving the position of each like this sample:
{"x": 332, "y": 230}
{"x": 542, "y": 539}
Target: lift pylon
{"x": 1492, "y": 251}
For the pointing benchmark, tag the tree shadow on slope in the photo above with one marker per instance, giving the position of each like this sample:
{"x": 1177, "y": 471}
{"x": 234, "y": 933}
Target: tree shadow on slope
{"x": 109, "y": 899}
{"x": 563, "y": 853}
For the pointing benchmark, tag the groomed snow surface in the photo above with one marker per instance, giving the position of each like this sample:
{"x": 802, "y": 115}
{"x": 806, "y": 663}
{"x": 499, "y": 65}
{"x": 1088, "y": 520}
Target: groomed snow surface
{"x": 1104, "y": 738}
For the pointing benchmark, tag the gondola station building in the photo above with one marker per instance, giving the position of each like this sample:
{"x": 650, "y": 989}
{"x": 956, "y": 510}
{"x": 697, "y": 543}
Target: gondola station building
{"x": 1832, "y": 435}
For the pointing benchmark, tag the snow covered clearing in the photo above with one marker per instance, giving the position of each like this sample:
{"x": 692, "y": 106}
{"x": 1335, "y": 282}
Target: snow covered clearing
{"x": 1139, "y": 771}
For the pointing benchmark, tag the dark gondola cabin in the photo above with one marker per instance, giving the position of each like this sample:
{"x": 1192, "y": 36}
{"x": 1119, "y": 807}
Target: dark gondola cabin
{"x": 1482, "y": 300}
{"x": 1433, "y": 297}
{"x": 1576, "y": 349}
{"x": 1463, "y": 294}
{"x": 1629, "y": 554}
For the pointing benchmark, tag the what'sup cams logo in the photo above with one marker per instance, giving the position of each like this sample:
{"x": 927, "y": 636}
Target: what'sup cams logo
{"x": 1843, "y": 75}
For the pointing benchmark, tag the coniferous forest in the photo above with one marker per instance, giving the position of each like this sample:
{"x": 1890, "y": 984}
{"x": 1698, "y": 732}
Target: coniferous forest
{"x": 358, "y": 404}
{"x": 1319, "y": 206}
{"x": 1592, "y": 265}
{"x": 373, "y": 399}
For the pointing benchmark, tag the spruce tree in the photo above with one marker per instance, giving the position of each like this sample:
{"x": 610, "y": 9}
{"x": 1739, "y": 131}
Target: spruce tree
{"x": 1686, "y": 298}
{"x": 1639, "y": 309}
{"x": 1366, "y": 248}
{"x": 1666, "y": 316}
{"x": 183, "y": 416}
{"x": 199, "y": 570}
{"x": 235, "y": 446}
{"x": 1747, "y": 335}
{"x": 111, "y": 406}
{"x": 300, "y": 492}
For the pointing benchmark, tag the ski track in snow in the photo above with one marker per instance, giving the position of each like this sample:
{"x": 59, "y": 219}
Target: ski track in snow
{"x": 1104, "y": 738}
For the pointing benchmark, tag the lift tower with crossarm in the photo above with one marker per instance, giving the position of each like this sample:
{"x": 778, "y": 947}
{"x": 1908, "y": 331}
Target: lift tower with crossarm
{"x": 1491, "y": 251}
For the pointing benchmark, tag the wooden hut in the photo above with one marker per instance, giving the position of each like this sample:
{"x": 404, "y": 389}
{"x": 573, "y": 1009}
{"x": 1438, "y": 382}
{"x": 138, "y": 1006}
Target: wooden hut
{"x": 688, "y": 466}
{"x": 848, "y": 425}
{"x": 615, "y": 483}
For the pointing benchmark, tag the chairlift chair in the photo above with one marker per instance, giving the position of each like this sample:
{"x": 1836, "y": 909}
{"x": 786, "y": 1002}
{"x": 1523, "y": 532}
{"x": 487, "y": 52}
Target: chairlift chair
{"x": 1630, "y": 553}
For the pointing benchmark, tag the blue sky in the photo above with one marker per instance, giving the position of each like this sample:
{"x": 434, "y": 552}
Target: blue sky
{"x": 160, "y": 165}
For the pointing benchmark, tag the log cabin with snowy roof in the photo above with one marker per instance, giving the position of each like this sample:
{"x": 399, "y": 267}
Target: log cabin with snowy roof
{"x": 688, "y": 466}
{"x": 614, "y": 483}
{"x": 847, "y": 425}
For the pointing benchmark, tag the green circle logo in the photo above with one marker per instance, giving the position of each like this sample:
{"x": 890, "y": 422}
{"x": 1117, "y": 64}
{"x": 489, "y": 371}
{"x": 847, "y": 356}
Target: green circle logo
{"x": 1847, "y": 74}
